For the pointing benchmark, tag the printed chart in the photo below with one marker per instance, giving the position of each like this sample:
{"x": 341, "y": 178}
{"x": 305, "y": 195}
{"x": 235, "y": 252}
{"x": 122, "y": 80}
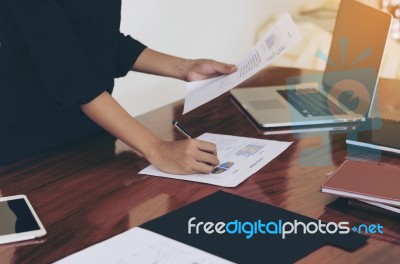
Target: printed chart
{"x": 239, "y": 157}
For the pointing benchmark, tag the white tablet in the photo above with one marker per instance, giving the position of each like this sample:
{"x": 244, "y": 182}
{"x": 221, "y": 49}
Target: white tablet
{"x": 18, "y": 220}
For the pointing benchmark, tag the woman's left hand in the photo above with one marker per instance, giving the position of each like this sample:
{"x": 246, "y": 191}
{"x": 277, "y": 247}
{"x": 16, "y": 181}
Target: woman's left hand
{"x": 201, "y": 69}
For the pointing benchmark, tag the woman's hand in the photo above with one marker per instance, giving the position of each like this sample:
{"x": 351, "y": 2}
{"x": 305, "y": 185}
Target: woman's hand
{"x": 178, "y": 157}
{"x": 203, "y": 69}
{"x": 184, "y": 157}
{"x": 154, "y": 62}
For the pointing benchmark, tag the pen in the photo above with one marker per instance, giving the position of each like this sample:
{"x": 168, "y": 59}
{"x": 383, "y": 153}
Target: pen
{"x": 181, "y": 129}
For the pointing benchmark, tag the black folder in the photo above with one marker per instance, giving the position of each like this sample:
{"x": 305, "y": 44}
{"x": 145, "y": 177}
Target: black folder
{"x": 260, "y": 248}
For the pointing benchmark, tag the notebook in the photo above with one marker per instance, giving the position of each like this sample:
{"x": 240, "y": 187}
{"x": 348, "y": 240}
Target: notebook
{"x": 367, "y": 181}
{"x": 346, "y": 89}
{"x": 375, "y": 207}
{"x": 381, "y": 134}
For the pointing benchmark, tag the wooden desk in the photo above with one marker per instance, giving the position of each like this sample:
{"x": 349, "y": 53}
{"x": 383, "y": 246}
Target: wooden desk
{"x": 90, "y": 190}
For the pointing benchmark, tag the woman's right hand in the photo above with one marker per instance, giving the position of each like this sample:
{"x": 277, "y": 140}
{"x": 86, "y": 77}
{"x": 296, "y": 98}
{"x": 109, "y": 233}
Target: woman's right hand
{"x": 184, "y": 157}
{"x": 178, "y": 157}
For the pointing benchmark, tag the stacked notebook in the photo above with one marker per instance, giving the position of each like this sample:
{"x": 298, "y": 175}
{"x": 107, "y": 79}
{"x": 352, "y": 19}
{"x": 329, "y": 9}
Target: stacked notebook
{"x": 371, "y": 183}
{"x": 377, "y": 133}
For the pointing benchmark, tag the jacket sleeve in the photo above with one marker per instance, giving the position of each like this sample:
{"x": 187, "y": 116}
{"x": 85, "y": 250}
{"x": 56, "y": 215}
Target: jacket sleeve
{"x": 129, "y": 50}
{"x": 55, "y": 52}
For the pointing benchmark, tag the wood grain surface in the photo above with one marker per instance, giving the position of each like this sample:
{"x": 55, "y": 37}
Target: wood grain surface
{"x": 90, "y": 190}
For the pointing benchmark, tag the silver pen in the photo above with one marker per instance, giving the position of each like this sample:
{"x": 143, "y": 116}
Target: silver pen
{"x": 181, "y": 129}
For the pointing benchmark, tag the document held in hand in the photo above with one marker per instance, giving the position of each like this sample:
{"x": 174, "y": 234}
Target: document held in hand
{"x": 278, "y": 40}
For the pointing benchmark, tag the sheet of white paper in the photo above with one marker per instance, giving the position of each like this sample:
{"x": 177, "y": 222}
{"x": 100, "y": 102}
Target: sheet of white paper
{"x": 384, "y": 206}
{"x": 239, "y": 157}
{"x": 139, "y": 245}
{"x": 279, "y": 39}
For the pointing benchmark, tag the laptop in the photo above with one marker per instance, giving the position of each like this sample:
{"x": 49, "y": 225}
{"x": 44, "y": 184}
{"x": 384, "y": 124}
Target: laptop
{"x": 344, "y": 92}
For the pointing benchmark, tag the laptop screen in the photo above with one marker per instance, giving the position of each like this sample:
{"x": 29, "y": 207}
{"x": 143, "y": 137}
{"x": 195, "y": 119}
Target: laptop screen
{"x": 355, "y": 56}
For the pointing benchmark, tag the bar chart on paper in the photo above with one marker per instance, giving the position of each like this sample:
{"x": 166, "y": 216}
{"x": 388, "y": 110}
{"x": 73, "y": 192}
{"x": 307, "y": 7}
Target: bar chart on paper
{"x": 279, "y": 39}
{"x": 239, "y": 157}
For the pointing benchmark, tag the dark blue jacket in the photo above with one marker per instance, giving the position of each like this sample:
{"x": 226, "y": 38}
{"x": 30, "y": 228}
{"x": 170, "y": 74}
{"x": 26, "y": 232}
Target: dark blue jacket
{"x": 54, "y": 56}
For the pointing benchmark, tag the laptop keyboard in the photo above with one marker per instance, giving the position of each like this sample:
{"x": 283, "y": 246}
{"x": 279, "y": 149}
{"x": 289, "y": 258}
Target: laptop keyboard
{"x": 310, "y": 102}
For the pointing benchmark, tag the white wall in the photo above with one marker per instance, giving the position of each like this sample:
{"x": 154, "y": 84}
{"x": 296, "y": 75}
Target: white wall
{"x": 219, "y": 29}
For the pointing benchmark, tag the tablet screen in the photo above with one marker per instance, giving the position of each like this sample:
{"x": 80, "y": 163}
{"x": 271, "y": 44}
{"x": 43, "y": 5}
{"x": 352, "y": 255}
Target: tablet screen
{"x": 16, "y": 217}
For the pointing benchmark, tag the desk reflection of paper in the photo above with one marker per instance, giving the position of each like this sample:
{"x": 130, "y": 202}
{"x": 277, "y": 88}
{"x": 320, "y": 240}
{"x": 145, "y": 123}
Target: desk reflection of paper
{"x": 279, "y": 39}
{"x": 239, "y": 157}
{"x": 139, "y": 245}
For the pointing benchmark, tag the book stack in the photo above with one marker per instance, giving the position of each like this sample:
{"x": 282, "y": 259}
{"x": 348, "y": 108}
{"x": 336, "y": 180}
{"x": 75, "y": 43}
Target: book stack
{"x": 377, "y": 133}
{"x": 370, "y": 184}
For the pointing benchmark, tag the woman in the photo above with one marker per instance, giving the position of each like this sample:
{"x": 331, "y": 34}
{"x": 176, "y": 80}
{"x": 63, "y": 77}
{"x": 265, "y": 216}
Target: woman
{"x": 58, "y": 61}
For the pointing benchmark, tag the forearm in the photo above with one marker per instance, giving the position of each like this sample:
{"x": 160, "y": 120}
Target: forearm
{"x": 153, "y": 62}
{"x": 107, "y": 113}
{"x": 179, "y": 157}
{"x": 157, "y": 63}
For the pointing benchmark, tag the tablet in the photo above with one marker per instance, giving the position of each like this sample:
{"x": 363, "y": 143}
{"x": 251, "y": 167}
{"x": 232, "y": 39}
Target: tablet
{"x": 18, "y": 220}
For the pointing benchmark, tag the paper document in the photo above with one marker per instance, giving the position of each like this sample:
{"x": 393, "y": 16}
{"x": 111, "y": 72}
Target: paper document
{"x": 384, "y": 206}
{"x": 279, "y": 39}
{"x": 239, "y": 157}
{"x": 139, "y": 245}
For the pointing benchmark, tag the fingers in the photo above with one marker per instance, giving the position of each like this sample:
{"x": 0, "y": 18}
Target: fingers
{"x": 206, "y": 146}
{"x": 201, "y": 156}
{"x": 223, "y": 67}
{"x": 201, "y": 167}
{"x": 185, "y": 157}
{"x": 203, "y": 69}
{"x": 206, "y": 157}
{"x": 208, "y": 152}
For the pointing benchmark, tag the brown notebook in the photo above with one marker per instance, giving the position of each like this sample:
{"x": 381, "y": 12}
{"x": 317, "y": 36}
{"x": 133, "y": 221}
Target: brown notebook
{"x": 365, "y": 181}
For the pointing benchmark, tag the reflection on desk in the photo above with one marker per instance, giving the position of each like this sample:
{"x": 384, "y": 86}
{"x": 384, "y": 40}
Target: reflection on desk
{"x": 84, "y": 193}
